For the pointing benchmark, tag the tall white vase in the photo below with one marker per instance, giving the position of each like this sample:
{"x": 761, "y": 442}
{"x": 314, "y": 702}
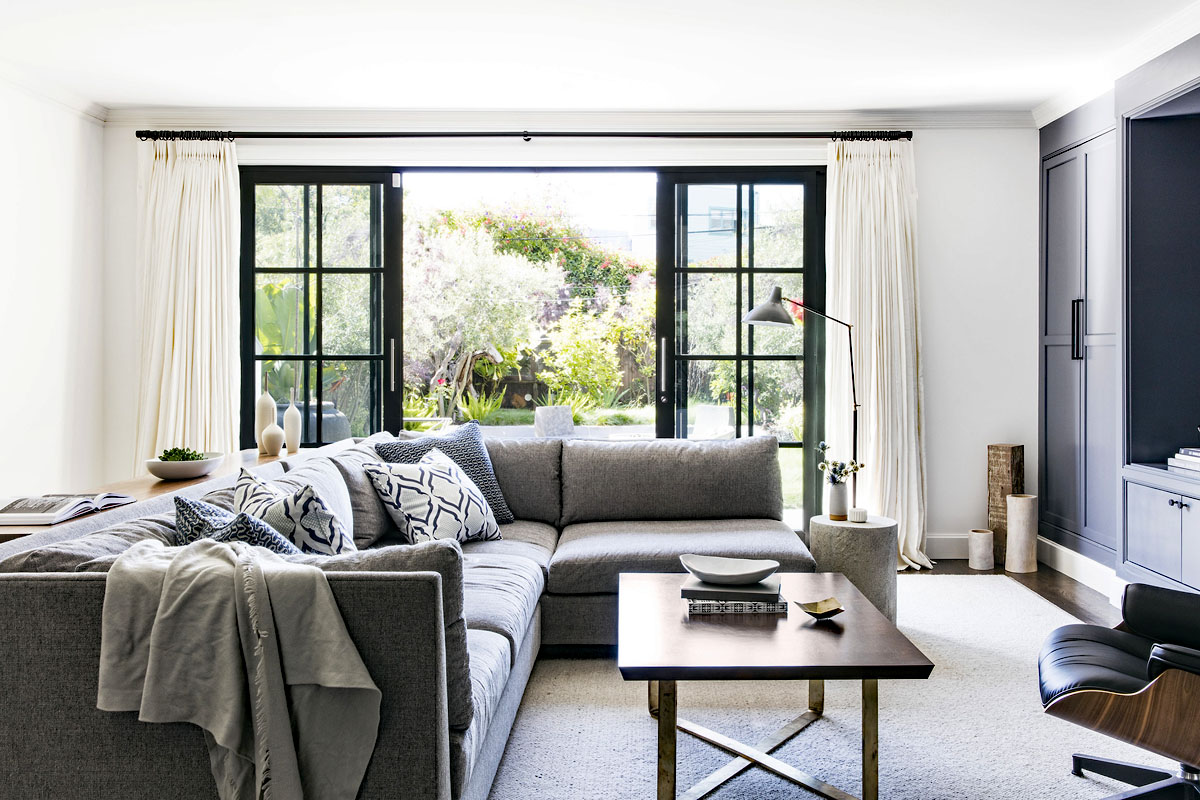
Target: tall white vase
{"x": 837, "y": 501}
{"x": 291, "y": 425}
{"x": 264, "y": 415}
{"x": 1021, "y": 548}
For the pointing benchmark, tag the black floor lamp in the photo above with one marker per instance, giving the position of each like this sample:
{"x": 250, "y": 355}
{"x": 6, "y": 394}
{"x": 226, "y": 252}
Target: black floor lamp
{"x": 771, "y": 312}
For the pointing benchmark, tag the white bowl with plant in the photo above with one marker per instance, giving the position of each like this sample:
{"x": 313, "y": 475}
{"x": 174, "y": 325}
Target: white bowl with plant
{"x": 182, "y": 463}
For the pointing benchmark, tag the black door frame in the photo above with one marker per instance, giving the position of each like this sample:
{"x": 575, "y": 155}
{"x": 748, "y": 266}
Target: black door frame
{"x": 671, "y": 227}
{"x": 386, "y": 328}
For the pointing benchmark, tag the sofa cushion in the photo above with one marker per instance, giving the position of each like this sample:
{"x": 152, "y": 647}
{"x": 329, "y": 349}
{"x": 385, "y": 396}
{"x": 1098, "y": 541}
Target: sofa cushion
{"x": 491, "y": 664}
{"x": 671, "y": 479}
{"x": 500, "y": 594}
{"x": 370, "y": 519}
{"x": 591, "y": 555}
{"x": 532, "y": 540}
{"x": 326, "y": 479}
{"x": 529, "y": 472}
{"x": 69, "y": 555}
{"x": 298, "y": 512}
{"x": 464, "y": 445}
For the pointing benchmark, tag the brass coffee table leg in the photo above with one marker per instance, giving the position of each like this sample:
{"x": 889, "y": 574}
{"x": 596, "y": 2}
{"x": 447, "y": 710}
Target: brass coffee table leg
{"x": 870, "y": 739}
{"x": 666, "y": 738}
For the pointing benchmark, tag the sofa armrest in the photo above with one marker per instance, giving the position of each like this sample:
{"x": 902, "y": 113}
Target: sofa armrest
{"x": 55, "y": 742}
{"x": 1172, "y": 656}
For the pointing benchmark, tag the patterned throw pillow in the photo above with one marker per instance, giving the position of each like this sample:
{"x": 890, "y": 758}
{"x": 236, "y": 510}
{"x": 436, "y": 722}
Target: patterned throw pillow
{"x": 301, "y": 516}
{"x": 465, "y": 447}
{"x": 433, "y": 500}
{"x": 195, "y": 519}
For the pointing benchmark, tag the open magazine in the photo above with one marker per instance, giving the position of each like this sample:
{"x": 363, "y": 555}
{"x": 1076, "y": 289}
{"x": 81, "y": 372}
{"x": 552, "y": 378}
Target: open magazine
{"x": 50, "y": 509}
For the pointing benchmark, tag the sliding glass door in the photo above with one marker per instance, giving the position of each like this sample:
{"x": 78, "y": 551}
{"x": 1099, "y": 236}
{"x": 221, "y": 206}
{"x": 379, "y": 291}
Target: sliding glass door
{"x": 733, "y": 236}
{"x": 314, "y": 263}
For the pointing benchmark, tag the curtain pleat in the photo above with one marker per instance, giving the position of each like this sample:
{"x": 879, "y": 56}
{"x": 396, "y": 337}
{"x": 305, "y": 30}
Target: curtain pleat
{"x": 871, "y": 282}
{"x": 188, "y": 227}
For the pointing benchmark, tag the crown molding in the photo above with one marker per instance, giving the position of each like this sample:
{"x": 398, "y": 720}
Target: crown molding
{"x": 296, "y": 119}
{"x": 1171, "y": 32}
{"x": 21, "y": 79}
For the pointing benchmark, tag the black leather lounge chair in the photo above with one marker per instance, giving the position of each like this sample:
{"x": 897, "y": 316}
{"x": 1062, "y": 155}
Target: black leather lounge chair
{"x": 1138, "y": 682}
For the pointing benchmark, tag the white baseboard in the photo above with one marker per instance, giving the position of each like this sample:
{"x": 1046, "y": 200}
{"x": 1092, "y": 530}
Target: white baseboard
{"x": 1081, "y": 568}
{"x": 1075, "y": 566}
{"x": 946, "y": 545}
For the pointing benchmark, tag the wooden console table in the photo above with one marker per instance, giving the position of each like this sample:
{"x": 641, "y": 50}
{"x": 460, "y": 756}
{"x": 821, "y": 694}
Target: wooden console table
{"x": 148, "y": 487}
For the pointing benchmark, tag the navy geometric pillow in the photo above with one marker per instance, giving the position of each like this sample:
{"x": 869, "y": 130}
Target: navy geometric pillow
{"x": 195, "y": 519}
{"x": 465, "y": 447}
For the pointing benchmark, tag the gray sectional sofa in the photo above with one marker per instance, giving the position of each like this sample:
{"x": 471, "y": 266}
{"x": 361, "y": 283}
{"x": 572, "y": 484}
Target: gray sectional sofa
{"x": 449, "y": 633}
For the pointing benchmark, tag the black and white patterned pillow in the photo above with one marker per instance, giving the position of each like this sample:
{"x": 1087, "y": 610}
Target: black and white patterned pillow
{"x": 195, "y": 519}
{"x": 465, "y": 447}
{"x": 433, "y": 499}
{"x": 300, "y": 515}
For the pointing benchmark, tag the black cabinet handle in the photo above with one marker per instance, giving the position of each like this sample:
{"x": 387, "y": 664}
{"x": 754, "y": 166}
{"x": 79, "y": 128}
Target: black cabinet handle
{"x": 1077, "y": 322}
{"x": 1184, "y": 505}
{"x": 1173, "y": 501}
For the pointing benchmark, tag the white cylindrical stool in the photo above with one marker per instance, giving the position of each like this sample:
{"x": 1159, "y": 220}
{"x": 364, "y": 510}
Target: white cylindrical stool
{"x": 1021, "y": 549}
{"x": 865, "y": 552}
{"x": 979, "y": 549}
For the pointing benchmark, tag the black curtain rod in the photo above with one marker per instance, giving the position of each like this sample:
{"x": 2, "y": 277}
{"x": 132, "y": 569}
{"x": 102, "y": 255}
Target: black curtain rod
{"x": 525, "y": 135}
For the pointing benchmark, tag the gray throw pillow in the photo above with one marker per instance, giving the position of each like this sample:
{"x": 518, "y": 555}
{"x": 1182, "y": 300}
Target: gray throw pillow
{"x": 465, "y": 447}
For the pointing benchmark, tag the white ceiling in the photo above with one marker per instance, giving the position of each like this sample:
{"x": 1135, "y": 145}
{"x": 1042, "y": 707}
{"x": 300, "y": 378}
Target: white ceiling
{"x": 767, "y": 55}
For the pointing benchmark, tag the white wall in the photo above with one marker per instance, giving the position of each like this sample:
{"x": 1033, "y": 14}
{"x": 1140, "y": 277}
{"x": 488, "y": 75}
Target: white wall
{"x": 978, "y": 211}
{"x": 52, "y": 353}
{"x": 978, "y": 249}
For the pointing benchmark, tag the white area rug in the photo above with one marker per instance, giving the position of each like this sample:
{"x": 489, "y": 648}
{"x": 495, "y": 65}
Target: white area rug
{"x": 975, "y": 729}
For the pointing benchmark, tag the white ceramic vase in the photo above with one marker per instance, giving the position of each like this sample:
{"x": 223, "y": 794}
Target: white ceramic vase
{"x": 291, "y": 425}
{"x": 837, "y": 501}
{"x": 979, "y": 549}
{"x": 1021, "y": 546}
{"x": 264, "y": 415}
{"x": 272, "y": 440}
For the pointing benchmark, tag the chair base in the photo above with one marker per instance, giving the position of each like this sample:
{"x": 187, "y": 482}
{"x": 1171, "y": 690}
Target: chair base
{"x": 1148, "y": 782}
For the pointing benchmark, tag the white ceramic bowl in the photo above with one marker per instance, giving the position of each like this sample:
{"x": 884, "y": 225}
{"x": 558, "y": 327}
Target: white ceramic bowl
{"x": 717, "y": 569}
{"x": 184, "y": 470}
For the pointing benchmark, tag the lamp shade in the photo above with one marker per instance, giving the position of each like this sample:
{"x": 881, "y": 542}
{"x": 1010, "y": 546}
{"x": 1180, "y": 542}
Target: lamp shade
{"x": 770, "y": 312}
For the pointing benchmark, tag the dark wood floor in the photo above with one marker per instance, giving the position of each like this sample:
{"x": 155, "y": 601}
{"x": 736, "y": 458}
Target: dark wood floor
{"x": 1082, "y": 602}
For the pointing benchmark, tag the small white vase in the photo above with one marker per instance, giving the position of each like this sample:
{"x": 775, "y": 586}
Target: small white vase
{"x": 979, "y": 549}
{"x": 837, "y": 501}
{"x": 272, "y": 439}
{"x": 291, "y": 425}
{"x": 264, "y": 415}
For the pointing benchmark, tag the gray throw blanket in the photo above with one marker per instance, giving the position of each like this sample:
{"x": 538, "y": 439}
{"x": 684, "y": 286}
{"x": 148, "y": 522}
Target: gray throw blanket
{"x": 252, "y": 649}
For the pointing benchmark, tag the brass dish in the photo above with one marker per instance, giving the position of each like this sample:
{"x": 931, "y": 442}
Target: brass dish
{"x": 822, "y": 609}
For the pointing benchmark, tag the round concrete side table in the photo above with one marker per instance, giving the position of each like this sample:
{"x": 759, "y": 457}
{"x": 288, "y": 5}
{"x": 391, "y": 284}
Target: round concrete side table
{"x": 865, "y": 552}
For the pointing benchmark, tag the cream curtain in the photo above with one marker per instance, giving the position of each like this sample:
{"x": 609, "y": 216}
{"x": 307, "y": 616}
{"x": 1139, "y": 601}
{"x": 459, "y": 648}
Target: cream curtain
{"x": 871, "y": 282}
{"x": 188, "y": 232}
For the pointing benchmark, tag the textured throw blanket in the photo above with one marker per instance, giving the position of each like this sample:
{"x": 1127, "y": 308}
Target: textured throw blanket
{"x": 252, "y": 649}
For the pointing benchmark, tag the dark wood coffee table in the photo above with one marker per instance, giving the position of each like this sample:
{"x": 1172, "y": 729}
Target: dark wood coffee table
{"x": 658, "y": 642}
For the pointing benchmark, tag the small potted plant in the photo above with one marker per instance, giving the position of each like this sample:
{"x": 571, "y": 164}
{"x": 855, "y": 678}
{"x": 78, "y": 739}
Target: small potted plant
{"x": 836, "y": 473}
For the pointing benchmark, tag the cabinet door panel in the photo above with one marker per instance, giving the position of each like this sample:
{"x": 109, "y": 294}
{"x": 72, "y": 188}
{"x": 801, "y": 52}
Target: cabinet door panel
{"x": 1064, "y": 242}
{"x": 1153, "y": 530}
{"x": 1102, "y": 274}
{"x": 1062, "y": 483}
{"x": 1101, "y": 499}
{"x": 1190, "y": 572}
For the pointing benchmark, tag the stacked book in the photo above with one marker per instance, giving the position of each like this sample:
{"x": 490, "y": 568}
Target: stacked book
{"x": 1186, "y": 462}
{"x": 756, "y": 598}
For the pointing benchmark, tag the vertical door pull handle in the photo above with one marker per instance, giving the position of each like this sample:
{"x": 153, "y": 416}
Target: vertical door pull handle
{"x": 392, "y": 347}
{"x": 662, "y": 364}
{"x": 1077, "y": 330}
